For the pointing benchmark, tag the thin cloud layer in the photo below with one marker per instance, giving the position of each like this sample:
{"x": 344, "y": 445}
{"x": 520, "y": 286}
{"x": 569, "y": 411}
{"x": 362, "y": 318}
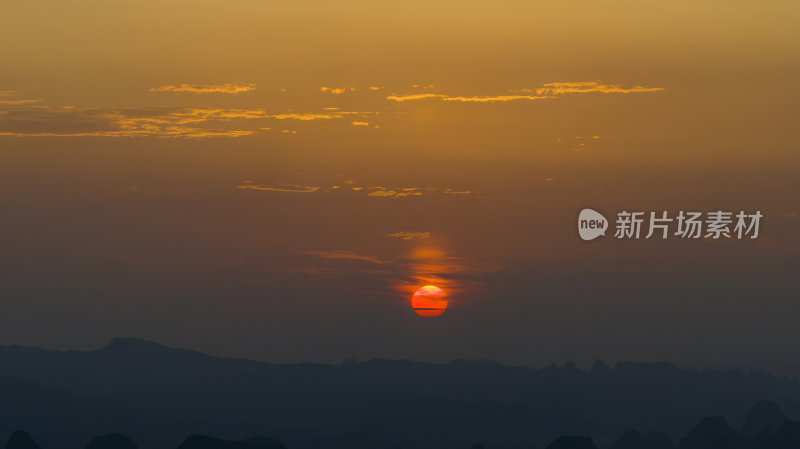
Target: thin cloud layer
{"x": 582, "y": 87}
{"x": 206, "y": 88}
{"x": 462, "y": 99}
{"x": 127, "y": 122}
{"x": 337, "y": 90}
{"x": 407, "y": 235}
{"x": 379, "y": 192}
{"x": 21, "y": 118}
{"x": 293, "y": 188}
{"x": 10, "y": 97}
{"x": 549, "y": 90}
{"x": 344, "y": 255}
{"x": 413, "y": 97}
{"x": 332, "y": 113}
{"x": 425, "y": 265}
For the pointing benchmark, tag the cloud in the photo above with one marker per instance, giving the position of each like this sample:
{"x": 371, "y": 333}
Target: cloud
{"x": 19, "y": 101}
{"x": 549, "y": 90}
{"x": 336, "y": 90}
{"x": 578, "y": 143}
{"x": 294, "y": 188}
{"x": 399, "y": 193}
{"x": 206, "y": 88}
{"x": 370, "y": 191}
{"x": 589, "y": 86}
{"x": 360, "y": 123}
{"x": 332, "y": 113}
{"x": 473, "y": 99}
{"x": 413, "y": 97}
{"x": 457, "y": 192}
{"x": 499, "y": 98}
{"x": 344, "y": 255}
{"x": 68, "y": 121}
{"x": 406, "y": 235}
{"x": 9, "y": 97}
{"x": 403, "y": 192}
{"x": 426, "y": 264}
{"x": 304, "y": 117}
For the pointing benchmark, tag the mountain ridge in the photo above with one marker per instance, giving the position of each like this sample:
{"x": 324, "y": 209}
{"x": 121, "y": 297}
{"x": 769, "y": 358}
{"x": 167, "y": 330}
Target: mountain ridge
{"x": 160, "y": 394}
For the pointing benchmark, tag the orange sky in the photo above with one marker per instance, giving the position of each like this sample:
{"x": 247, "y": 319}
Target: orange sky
{"x": 208, "y": 164}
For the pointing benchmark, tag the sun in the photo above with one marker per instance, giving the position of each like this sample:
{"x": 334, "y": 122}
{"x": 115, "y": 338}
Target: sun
{"x": 429, "y": 301}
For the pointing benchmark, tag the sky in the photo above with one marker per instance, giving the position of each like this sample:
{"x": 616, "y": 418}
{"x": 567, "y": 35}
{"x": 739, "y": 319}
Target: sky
{"x": 274, "y": 180}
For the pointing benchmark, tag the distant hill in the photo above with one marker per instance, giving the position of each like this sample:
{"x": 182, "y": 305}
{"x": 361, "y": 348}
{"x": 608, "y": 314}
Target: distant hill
{"x": 158, "y": 395}
{"x": 764, "y": 418}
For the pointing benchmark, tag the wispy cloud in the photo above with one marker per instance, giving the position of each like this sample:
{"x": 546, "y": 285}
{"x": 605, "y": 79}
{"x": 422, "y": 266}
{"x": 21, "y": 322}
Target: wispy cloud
{"x": 352, "y": 187}
{"x": 463, "y": 99}
{"x": 295, "y": 188}
{"x": 9, "y": 97}
{"x": 68, "y": 121}
{"x": 206, "y": 88}
{"x": 578, "y": 143}
{"x": 386, "y": 193}
{"x": 345, "y": 255}
{"x": 498, "y": 98}
{"x": 413, "y": 97}
{"x": 331, "y": 113}
{"x": 580, "y": 87}
{"x": 457, "y": 192}
{"x": 336, "y": 90}
{"x": 407, "y": 235}
{"x": 546, "y": 91}
{"x": 304, "y": 117}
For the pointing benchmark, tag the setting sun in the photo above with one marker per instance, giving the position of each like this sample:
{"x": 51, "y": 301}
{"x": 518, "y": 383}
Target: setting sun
{"x": 429, "y": 301}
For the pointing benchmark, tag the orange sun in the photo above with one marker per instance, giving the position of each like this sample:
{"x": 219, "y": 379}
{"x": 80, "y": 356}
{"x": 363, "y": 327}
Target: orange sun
{"x": 429, "y": 301}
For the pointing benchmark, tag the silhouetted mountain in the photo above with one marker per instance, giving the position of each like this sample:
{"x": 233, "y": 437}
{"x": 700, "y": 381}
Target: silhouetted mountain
{"x": 111, "y": 441}
{"x": 206, "y": 442}
{"x": 764, "y": 418}
{"x": 264, "y": 442}
{"x": 713, "y": 433}
{"x": 158, "y": 395}
{"x": 572, "y": 442}
{"x": 599, "y": 368}
{"x": 21, "y": 440}
{"x": 786, "y": 437}
{"x": 634, "y": 440}
{"x": 657, "y": 440}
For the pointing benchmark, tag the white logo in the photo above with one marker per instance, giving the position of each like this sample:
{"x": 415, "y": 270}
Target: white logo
{"x": 591, "y": 224}
{"x": 718, "y": 225}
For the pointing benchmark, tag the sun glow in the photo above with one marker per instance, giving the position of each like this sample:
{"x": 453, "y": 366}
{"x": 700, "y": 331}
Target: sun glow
{"x": 429, "y": 301}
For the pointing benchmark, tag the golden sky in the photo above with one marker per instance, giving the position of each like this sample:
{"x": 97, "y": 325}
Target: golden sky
{"x": 254, "y": 168}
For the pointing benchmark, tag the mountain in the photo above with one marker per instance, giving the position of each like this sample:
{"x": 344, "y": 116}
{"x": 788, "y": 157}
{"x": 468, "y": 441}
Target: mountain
{"x": 786, "y": 437}
{"x": 635, "y": 440}
{"x": 157, "y": 395}
{"x": 265, "y": 442}
{"x": 21, "y": 440}
{"x": 111, "y": 441}
{"x": 763, "y": 419}
{"x": 572, "y": 442}
{"x": 206, "y": 442}
{"x": 713, "y": 433}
